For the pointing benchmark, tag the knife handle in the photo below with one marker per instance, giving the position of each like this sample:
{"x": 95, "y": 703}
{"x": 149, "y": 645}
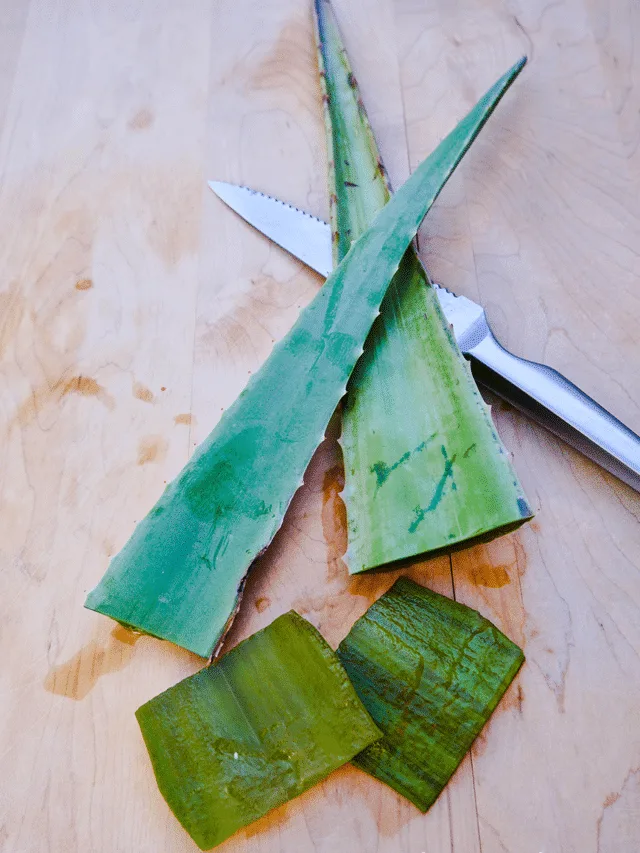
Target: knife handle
{"x": 548, "y": 398}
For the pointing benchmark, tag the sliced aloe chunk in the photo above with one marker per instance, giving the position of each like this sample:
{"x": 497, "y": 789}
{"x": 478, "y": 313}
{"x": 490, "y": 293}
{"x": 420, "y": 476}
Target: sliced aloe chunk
{"x": 424, "y": 467}
{"x": 430, "y": 672}
{"x": 276, "y": 715}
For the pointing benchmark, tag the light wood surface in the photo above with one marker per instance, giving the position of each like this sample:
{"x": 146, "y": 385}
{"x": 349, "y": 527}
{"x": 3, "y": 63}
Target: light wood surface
{"x": 134, "y": 305}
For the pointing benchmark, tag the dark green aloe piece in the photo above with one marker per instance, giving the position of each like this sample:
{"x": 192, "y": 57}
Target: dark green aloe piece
{"x": 430, "y": 672}
{"x": 276, "y": 715}
{"x": 424, "y": 467}
{"x": 181, "y": 575}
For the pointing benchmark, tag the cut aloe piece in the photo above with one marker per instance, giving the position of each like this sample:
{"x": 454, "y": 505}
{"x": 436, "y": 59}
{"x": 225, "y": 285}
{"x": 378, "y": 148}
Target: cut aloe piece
{"x": 424, "y": 467}
{"x": 276, "y": 715}
{"x": 430, "y": 672}
{"x": 181, "y": 575}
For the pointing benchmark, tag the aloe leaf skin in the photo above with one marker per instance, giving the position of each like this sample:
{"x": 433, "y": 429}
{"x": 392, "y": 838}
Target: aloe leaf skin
{"x": 273, "y": 717}
{"x": 430, "y": 672}
{"x": 358, "y": 183}
{"x": 180, "y": 576}
{"x": 424, "y": 467}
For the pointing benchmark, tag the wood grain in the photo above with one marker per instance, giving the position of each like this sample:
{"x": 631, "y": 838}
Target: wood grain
{"x": 544, "y": 219}
{"x": 134, "y": 305}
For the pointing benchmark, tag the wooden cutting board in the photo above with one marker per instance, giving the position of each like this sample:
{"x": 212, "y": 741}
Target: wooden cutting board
{"x": 135, "y": 305}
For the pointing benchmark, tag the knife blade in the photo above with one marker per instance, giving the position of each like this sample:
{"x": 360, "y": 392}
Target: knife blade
{"x": 539, "y": 391}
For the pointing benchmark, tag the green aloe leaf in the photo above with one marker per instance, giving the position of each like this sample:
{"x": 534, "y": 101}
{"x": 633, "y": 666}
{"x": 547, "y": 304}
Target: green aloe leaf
{"x": 430, "y": 672}
{"x": 181, "y": 575}
{"x": 424, "y": 467}
{"x": 276, "y": 715}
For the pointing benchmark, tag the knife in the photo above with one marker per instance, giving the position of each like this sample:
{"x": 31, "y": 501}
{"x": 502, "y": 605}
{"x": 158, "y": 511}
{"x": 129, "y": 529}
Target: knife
{"x": 540, "y": 392}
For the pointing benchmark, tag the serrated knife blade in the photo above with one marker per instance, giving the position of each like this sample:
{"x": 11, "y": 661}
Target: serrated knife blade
{"x": 300, "y": 233}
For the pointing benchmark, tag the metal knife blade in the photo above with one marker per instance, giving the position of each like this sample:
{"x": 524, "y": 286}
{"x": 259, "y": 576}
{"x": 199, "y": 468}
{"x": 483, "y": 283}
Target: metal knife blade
{"x": 539, "y": 391}
{"x": 300, "y": 233}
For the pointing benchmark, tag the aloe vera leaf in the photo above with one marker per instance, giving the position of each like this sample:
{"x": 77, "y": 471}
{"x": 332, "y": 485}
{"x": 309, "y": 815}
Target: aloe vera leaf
{"x": 430, "y": 672}
{"x": 181, "y": 574}
{"x": 273, "y": 717}
{"x": 424, "y": 467}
